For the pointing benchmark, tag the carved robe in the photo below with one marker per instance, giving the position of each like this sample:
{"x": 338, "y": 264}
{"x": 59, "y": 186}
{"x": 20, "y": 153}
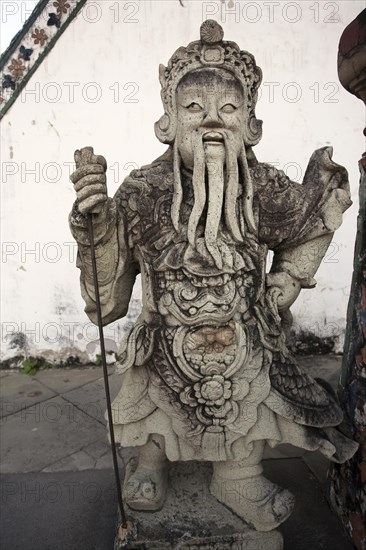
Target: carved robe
{"x": 206, "y": 364}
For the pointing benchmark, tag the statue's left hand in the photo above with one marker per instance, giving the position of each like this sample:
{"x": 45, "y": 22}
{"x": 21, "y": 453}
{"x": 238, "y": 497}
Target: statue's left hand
{"x": 288, "y": 286}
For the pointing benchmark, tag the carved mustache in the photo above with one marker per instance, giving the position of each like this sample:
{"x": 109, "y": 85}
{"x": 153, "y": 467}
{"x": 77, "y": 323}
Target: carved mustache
{"x": 213, "y": 136}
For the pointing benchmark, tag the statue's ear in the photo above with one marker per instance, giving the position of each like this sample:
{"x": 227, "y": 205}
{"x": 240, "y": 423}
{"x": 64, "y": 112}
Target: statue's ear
{"x": 166, "y": 128}
{"x": 253, "y": 131}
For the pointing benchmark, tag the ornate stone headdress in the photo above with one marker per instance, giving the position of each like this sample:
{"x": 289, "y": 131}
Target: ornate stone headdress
{"x": 209, "y": 52}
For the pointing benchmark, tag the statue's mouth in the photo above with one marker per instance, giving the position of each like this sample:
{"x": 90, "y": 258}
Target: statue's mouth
{"x": 213, "y": 137}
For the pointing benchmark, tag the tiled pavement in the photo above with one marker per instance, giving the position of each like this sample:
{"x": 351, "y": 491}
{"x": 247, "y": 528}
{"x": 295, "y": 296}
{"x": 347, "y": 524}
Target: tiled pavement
{"x": 53, "y": 438}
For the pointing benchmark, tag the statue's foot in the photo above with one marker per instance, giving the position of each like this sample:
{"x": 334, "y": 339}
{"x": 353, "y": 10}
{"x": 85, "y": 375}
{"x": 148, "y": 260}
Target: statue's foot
{"x": 145, "y": 488}
{"x": 256, "y": 500}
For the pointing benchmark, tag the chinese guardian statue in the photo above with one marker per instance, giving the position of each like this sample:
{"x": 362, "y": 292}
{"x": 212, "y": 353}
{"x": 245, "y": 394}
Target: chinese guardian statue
{"x": 207, "y": 375}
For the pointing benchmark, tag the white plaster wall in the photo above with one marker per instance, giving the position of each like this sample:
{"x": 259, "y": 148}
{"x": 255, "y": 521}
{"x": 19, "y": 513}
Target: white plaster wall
{"x": 113, "y": 49}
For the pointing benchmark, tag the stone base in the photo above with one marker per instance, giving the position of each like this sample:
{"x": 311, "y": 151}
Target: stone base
{"x": 193, "y": 519}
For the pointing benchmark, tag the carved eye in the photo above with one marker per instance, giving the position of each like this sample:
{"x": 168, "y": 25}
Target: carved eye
{"x": 194, "y": 107}
{"x": 228, "y": 108}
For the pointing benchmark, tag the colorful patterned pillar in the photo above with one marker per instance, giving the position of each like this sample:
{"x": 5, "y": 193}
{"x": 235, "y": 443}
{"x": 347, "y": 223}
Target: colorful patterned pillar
{"x": 347, "y": 487}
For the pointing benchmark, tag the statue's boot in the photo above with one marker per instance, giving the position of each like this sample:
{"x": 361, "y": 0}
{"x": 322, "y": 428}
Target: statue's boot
{"x": 146, "y": 481}
{"x": 241, "y": 487}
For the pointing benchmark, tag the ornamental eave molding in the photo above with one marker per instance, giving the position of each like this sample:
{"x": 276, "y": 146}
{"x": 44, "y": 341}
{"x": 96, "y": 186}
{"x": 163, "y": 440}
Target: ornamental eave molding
{"x": 49, "y": 19}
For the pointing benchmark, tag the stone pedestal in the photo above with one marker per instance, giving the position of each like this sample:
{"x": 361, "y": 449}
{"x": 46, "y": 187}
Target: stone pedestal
{"x": 193, "y": 519}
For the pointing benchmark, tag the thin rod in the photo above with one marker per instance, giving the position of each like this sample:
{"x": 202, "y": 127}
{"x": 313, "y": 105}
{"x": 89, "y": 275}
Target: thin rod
{"x": 105, "y": 371}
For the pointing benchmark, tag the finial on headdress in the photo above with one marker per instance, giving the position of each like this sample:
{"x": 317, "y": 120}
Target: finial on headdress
{"x": 211, "y": 32}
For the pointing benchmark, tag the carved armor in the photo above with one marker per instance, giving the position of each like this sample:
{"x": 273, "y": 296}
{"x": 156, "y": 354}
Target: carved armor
{"x": 206, "y": 364}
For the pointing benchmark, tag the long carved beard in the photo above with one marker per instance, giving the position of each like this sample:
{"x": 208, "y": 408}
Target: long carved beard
{"x": 222, "y": 193}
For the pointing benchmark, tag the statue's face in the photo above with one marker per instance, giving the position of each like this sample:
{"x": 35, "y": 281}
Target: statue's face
{"x": 209, "y": 102}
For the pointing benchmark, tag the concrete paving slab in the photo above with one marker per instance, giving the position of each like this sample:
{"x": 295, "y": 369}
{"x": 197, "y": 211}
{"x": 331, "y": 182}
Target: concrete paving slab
{"x": 105, "y": 462}
{"x": 91, "y": 397}
{"x": 101, "y": 452}
{"x": 39, "y": 436}
{"x": 75, "y": 510}
{"x": 312, "y": 525}
{"x": 283, "y": 451}
{"x": 98, "y": 448}
{"x": 18, "y": 391}
{"x": 75, "y": 462}
{"x": 64, "y": 380}
{"x": 318, "y": 464}
{"x": 327, "y": 367}
{"x": 58, "y": 511}
{"x": 81, "y": 460}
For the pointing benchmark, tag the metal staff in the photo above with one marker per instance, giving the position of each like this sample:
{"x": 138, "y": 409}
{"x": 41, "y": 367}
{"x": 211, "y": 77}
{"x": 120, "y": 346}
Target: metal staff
{"x": 126, "y": 525}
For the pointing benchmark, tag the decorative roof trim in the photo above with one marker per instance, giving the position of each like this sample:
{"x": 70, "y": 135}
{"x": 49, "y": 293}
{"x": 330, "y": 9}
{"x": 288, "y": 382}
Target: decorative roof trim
{"x": 31, "y": 45}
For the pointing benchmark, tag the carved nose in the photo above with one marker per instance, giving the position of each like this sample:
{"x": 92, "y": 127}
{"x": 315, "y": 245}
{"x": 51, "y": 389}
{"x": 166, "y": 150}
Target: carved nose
{"x": 212, "y": 119}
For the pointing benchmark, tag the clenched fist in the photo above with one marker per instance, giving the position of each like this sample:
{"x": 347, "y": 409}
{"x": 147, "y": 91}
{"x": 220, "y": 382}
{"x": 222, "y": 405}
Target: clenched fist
{"x": 89, "y": 180}
{"x": 288, "y": 288}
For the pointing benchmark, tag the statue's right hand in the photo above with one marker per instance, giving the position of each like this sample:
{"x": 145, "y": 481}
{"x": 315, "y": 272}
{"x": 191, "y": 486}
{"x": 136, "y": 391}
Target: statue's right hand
{"x": 89, "y": 180}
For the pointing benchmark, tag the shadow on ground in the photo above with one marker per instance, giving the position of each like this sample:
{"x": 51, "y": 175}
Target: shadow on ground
{"x": 77, "y": 510}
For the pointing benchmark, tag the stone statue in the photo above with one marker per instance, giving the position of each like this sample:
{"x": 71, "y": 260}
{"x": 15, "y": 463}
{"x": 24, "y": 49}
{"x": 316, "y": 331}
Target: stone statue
{"x": 206, "y": 372}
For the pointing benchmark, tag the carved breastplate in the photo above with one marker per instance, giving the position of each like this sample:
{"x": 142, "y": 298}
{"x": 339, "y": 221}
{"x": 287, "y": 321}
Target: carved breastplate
{"x": 206, "y": 347}
{"x": 192, "y": 301}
